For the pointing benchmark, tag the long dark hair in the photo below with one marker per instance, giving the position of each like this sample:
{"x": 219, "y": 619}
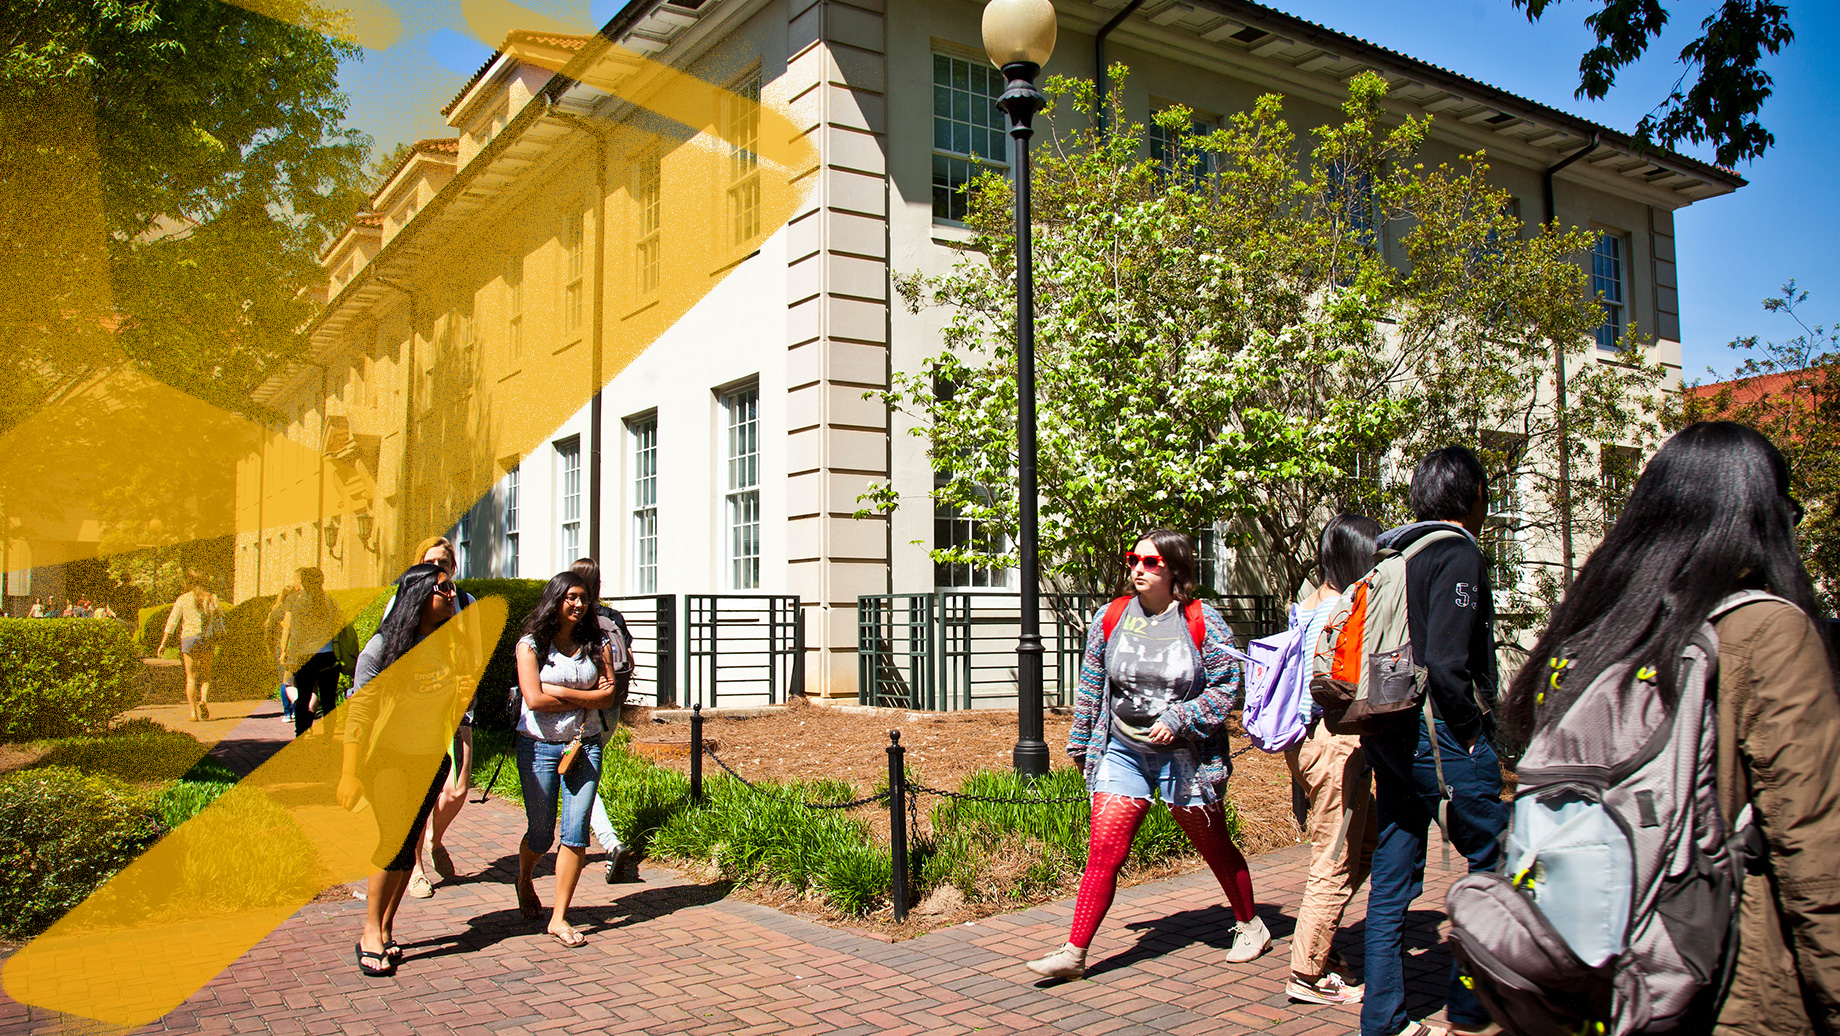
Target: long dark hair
{"x": 1346, "y": 551}
{"x": 1711, "y": 514}
{"x": 545, "y": 620}
{"x": 403, "y": 626}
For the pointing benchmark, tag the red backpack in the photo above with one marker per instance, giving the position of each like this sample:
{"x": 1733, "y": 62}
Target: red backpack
{"x": 1197, "y": 626}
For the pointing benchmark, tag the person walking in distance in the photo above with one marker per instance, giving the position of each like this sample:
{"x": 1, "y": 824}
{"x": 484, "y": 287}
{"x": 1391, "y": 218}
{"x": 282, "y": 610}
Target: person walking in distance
{"x": 1156, "y": 684}
{"x": 1450, "y": 616}
{"x": 619, "y": 641}
{"x": 1710, "y": 528}
{"x": 1332, "y": 770}
{"x": 198, "y": 621}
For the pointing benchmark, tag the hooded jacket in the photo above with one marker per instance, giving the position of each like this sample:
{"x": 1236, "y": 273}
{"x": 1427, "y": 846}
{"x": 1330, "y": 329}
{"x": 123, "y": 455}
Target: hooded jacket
{"x": 1450, "y": 615}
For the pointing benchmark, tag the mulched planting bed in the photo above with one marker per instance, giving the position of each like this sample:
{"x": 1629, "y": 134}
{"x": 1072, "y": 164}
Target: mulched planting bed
{"x": 805, "y": 742}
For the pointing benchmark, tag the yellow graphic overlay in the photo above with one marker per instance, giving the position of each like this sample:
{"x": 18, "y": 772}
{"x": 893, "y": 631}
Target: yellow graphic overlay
{"x": 200, "y": 898}
{"x": 115, "y": 461}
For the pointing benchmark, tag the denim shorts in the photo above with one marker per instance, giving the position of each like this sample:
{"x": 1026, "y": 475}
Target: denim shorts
{"x": 1134, "y": 768}
{"x": 546, "y": 791}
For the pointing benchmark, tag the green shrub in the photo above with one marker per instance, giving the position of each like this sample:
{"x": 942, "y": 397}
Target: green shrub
{"x": 153, "y": 627}
{"x": 489, "y": 775}
{"x": 62, "y": 834}
{"x": 183, "y": 800}
{"x": 64, "y": 676}
{"x": 140, "y": 751}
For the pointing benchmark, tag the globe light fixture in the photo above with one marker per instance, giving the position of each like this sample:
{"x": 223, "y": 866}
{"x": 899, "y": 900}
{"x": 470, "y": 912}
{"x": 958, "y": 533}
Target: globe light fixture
{"x": 1019, "y": 37}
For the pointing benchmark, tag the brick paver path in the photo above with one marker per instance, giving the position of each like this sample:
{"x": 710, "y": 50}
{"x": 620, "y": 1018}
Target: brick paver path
{"x": 670, "y": 956}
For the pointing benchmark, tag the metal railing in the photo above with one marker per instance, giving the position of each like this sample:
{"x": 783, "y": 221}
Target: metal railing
{"x": 956, "y": 649}
{"x": 715, "y": 646}
{"x": 749, "y": 645}
{"x": 652, "y": 621}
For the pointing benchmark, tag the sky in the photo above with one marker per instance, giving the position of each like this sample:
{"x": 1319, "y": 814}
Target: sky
{"x": 1733, "y": 251}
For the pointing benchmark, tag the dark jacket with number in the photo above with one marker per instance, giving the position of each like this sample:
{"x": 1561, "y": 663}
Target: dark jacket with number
{"x": 1450, "y": 615}
{"x": 1779, "y": 750}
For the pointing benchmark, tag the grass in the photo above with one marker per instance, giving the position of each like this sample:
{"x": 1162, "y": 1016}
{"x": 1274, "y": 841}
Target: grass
{"x": 992, "y": 852}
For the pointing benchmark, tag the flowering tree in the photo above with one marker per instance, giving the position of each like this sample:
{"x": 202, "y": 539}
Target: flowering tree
{"x": 1234, "y": 331}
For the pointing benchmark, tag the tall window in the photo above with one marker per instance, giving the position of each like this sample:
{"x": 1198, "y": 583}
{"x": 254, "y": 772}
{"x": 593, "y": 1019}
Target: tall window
{"x": 966, "y": 122}
{"x": 1352, "y": 196}
{"x": 511, "y": 524}
{"x": 644, "y": 435}
{"x": 1502, "y": 455}
{"x": 954, "y": 530}
{"x": 743, "y": 132}
{"x": 572, "y": 230}
{"x": 514, "y": 307}
{"x": 741, "y": 500}
{"x": 463, "y": 546}
{"x": 649, "y": 199}
{"x": 1166, "y": 152}
{"x": 1618, "y": 466}
{"x": 1609, "y": 284}
{"x": 568, "y": 501}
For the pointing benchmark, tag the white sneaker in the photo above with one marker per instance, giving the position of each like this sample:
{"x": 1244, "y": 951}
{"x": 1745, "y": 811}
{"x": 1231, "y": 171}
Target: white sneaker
{"x": 1329, "y": 989}
{"x": 1067, "y": 962}
{"x": 1250, "y": 940}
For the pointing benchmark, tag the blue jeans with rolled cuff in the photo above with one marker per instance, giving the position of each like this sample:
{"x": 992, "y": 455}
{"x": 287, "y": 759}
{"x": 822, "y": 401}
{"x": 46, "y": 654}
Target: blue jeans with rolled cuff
{"x": 549, "y": 796}
{"x": 1406, "y": 800}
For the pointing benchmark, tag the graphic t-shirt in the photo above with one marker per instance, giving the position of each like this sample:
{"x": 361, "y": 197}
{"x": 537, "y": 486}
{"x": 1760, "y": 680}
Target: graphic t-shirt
{"x": 1150, "y": 665}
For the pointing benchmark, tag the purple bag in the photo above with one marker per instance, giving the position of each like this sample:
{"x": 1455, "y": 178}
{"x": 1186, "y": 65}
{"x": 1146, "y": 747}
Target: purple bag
{"x": 1277, "y": 686}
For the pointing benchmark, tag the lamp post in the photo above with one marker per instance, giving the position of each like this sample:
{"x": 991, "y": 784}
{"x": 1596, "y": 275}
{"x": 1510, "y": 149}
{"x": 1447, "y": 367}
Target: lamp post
{"x": 1019, "y": 37}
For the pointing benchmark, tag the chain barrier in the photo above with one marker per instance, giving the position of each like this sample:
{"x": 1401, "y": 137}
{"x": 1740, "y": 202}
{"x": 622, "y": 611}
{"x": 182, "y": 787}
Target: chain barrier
{"x": 878, "y": 797}
{"x": 921, "y": 789}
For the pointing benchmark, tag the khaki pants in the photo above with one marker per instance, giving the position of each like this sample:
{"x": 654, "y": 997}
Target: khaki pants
{"x": 1332, "y": 771}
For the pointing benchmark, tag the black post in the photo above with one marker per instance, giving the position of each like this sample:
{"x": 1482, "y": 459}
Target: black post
{"x": 798, "y": 648}
{"x": 897, "y": 825}
{"x": 696, "y": 752}
{"x": 1020, "y": 101}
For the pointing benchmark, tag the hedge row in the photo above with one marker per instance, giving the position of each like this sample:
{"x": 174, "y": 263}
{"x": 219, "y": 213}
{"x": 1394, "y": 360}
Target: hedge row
{"x": 64, "y": 676}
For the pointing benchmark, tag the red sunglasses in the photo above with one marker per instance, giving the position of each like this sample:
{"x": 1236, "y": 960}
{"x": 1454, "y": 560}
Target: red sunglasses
{"x": 1150, "y": 561}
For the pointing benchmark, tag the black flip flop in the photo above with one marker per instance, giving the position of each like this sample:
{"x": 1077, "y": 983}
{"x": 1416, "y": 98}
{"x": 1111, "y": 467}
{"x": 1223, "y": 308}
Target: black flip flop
{"x": 373, "y": 971}
{"x": 393, "y": 951}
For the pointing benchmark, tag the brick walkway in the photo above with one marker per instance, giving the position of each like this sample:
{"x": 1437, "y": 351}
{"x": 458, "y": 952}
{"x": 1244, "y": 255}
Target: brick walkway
{"x": 669, "y": 956}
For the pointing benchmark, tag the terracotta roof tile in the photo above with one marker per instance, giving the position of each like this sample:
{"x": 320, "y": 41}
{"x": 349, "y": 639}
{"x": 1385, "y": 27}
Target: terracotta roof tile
{"x": 550, "y": 39}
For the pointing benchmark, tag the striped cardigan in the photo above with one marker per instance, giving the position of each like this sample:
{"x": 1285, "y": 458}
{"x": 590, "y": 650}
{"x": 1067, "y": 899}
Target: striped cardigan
{"x": 1201, "y": 719}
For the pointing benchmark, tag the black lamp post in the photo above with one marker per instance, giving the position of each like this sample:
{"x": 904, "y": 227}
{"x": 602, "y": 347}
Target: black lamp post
{"x": 1019, "y": 37}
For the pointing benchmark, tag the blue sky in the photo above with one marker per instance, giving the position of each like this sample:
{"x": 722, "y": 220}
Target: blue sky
{"x": 1734, "y": 251}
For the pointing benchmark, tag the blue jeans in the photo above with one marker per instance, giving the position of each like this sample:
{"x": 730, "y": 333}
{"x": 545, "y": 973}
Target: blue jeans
{"x": 1406, "y": 800}
{"x": 545, "y": 790}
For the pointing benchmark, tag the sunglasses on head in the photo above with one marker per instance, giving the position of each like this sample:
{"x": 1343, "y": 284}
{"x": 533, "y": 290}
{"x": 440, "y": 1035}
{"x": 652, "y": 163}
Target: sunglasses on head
{"x": 1151, "y": 562}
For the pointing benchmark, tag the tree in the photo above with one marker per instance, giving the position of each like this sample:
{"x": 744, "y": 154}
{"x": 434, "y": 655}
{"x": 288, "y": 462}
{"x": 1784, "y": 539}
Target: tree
{"x": 1221, "y": 337}
{"x": 1730, "y": 86}
{"x": 172, "y": 170}
{"x": 1790, "y": 391}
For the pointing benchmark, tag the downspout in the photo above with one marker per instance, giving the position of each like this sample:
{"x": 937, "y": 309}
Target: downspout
{"x": 595, "y": 327}
{"x": 410, "y": 376}
{"x": 1099, "y": 55}
{"x": 1565, "y": 453}
{"x": 319, "y": 546}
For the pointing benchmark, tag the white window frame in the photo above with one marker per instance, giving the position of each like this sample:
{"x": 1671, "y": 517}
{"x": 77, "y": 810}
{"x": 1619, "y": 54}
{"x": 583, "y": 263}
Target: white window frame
{"x": 741, "y": 121}
{"x": 574, "y": 230}
{"x": 568, "y": 501}
{"x": 1165, "y": 148}
{"x": 648, "y": 200}
{"x": 982, "y": 86}
{"x": 1610, "y": 285}
{"x": 740, "y": 485}
{"x": 511, "y": 524}
{"x": 642, "y": 436}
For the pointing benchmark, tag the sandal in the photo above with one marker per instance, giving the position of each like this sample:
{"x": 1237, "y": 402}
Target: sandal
{"x": 392, "y": 951}
{"x": 574, "y": 940}
{"x": 382, "y": 969}
{"x": 528, "y": 904}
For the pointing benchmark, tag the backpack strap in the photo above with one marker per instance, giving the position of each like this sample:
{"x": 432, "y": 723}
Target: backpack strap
{"x": 1427, "y": 540}
{"x": 1113, "y": 612}
{"x": 1197, "y": 623}
{"x": 1742, "y": 598}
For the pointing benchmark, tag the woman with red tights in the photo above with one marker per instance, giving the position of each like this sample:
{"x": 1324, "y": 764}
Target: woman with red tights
{"x": 1151, "y": 717}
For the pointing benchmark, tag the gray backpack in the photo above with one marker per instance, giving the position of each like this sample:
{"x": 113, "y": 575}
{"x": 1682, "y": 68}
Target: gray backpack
{"x": 1615, "y": 910}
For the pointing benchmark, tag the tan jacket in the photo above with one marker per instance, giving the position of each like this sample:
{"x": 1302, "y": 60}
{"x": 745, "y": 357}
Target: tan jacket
{"x": 1779, "y": 748}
